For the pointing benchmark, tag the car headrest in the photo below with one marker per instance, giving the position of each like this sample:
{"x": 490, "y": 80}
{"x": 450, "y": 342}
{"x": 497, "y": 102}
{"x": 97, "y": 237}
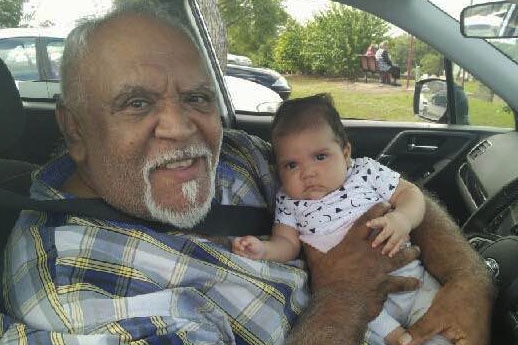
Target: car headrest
{"x": 12, "y": 116}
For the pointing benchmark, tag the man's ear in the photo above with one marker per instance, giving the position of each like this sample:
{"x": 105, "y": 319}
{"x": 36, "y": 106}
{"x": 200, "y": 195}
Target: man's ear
{"x": 70, "y": 127}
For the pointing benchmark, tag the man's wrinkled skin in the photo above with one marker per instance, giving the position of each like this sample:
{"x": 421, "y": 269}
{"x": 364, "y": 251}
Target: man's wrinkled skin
{"x": 351, "y": 282}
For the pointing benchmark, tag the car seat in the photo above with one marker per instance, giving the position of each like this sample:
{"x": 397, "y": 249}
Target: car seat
{"x": 15, "y": 172}
{"x": 12, "y": 116}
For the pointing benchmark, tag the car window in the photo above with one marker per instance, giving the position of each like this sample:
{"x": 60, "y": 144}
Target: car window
{"x": 296, "y": 57}
{"x": 19, "y": 54}
{"x": 508, "y": 46}
{"x": 314, "y": 58}
{"x": 54, "y": 51}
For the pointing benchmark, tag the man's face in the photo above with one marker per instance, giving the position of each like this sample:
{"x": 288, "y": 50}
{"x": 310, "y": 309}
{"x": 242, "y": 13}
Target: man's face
{"x": 151, "y": 132}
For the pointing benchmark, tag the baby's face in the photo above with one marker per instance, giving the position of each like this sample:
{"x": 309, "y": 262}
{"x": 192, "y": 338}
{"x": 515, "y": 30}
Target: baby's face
{"x": 311, "y": 163}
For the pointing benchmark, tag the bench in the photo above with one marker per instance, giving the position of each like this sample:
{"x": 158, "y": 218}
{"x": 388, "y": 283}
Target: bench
{"x": 368, "y": 65}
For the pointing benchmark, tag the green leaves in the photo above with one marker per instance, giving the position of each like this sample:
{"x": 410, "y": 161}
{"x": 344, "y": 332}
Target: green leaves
{"x": 328, "y": 45}
{"x": 10, "y": 13}
{"x": 253, "y": 26}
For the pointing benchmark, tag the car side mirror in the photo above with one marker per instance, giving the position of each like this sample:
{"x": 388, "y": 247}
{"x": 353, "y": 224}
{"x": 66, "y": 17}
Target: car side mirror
{"x": 431, "y": 100}
{"x": 490, "y": 20}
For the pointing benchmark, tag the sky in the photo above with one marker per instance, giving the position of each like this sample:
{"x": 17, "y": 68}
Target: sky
{"x": 54, "y": 10}
{"x": 301, "y": 10}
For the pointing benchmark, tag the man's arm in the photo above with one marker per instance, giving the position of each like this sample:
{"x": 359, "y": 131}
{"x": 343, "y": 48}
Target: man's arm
{"x": 345, "y": 298}
{"x": 462, "y": 308}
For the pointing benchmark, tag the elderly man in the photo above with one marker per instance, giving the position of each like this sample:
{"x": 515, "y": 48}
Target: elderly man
{"x": 141, "y": 124}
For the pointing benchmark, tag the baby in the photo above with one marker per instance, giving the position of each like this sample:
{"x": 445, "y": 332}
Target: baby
{"x": 323, "y": 191}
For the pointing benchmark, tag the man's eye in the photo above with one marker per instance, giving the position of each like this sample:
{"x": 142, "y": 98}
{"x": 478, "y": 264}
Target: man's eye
{"x": 138, "y": 103}
{"x": 199, "y": 101}
{"x": 321, "y": 156}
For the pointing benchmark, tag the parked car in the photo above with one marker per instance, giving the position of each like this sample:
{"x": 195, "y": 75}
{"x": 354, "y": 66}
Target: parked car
{"x": 264, "y": 76}
{"x": 248, "y": 96}
{"x": 469, "y": 168}
{"x": 239, "y": 60}
{"x": 34, "y": 55}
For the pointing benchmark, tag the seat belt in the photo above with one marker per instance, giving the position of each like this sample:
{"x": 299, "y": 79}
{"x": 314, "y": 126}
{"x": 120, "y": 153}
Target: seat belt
{"x": 222, "y": 220}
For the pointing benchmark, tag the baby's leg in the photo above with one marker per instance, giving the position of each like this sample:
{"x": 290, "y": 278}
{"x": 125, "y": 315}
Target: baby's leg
{"x": 438, "y": 340}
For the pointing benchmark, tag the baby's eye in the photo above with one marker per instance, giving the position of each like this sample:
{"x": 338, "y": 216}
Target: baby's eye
{"x": 321, "y": 156}
{"x": 291, "y": 165}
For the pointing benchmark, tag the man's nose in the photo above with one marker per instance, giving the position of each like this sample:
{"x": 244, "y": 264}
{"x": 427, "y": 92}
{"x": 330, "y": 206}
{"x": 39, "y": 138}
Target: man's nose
{"x": 174, "y": 122}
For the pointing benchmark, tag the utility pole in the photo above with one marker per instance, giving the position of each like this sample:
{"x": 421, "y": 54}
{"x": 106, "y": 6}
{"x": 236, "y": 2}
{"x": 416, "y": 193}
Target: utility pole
{"x": 409, "y": 59}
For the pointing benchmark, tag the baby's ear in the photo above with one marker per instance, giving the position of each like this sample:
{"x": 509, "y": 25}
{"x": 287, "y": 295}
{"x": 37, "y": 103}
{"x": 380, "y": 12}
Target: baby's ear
{"x": 347, "y": 151}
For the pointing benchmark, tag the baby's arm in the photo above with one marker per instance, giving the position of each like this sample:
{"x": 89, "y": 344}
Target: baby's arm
{"x": 408, "y": 203}
{"x": 283, "y": 245}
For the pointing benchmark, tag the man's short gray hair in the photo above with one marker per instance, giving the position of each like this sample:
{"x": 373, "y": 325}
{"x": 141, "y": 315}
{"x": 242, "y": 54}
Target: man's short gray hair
{"x": 77, "y": 43}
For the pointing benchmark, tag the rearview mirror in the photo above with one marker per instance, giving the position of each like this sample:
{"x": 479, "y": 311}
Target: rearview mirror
{"x": 490, "y": 20}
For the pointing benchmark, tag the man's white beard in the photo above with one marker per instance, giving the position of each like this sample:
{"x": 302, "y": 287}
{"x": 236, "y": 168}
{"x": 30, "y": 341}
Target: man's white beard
{"x": 195, "y": 212}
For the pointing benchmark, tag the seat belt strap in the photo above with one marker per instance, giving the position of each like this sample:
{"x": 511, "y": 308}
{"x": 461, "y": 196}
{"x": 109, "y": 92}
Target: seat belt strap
{"x": 222, "y": 220}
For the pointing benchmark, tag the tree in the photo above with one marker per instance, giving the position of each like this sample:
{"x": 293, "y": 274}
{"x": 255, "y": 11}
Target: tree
{"x": 425, "y": 56}
{"x": 287, "y": 53}
{"x": 10, "y": 13}
{"x": 253, "y": 26}
{"x": 329, "y": 44}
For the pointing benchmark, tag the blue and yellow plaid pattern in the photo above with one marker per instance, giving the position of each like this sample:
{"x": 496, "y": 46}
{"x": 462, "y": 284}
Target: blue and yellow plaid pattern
{"x": 72, "y": 280}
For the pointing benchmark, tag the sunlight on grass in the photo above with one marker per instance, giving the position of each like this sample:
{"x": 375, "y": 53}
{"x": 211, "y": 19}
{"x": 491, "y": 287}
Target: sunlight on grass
{"x": 360, "y": 100}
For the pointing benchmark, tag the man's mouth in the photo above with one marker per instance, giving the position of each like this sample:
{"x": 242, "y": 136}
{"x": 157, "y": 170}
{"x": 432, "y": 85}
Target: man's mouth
{"x": 184, "y": 163}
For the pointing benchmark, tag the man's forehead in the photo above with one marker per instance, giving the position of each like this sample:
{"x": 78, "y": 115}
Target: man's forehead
{"x": 128, "y": 29}
{"x": 142, "y": 45}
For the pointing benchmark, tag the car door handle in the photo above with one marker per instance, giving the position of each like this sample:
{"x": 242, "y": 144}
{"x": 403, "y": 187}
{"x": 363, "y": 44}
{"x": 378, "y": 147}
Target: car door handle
{"x": 413, "y": 147}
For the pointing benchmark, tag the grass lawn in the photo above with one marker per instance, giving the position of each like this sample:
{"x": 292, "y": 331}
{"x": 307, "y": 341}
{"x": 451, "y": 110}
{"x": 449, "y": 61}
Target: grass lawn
{"x": 371, "y": 100}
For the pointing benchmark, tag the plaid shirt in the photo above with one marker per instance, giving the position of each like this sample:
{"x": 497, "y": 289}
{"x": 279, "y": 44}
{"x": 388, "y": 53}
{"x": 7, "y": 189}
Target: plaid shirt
{"x": 74, "y": 280}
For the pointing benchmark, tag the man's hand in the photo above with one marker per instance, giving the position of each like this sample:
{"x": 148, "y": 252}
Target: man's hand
{"x": 447, "y": 315}
{"x": 354, "y": 267}
{"x": 461, "y": 311}
{"x": 350, "y": 284}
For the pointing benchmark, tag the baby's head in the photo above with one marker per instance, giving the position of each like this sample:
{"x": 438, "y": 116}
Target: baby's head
{"x": 311, "y": 147}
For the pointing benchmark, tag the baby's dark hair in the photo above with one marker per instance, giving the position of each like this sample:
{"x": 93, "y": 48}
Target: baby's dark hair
{"x": 298, "y": 114}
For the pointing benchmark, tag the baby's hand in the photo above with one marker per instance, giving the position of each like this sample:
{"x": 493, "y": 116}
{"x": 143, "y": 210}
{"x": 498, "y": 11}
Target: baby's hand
{"x": 395, "y": 229}
{"x": 249, "y": 246}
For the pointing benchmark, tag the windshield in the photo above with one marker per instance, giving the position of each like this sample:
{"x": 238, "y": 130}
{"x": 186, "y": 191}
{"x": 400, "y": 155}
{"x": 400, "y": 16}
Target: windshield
{"x": 508, "y": 46}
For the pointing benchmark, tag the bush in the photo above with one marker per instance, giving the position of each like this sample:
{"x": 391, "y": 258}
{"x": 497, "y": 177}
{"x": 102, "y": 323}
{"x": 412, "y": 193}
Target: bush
{"x": 328, "y": 45}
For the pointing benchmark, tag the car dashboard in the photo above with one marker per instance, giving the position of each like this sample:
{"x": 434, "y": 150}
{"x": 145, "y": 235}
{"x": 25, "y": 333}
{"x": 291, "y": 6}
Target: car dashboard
{"x": 488, "y": 182}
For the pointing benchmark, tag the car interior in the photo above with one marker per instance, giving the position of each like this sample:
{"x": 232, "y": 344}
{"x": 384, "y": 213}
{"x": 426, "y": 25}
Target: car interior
{"x": 468, "y": 169}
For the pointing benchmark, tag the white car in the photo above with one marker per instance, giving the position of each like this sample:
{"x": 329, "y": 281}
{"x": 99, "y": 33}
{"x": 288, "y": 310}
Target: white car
{"x": 34, "y": 55}
{"x": 249, "y": 96}
{"x": 239, "y": 60}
